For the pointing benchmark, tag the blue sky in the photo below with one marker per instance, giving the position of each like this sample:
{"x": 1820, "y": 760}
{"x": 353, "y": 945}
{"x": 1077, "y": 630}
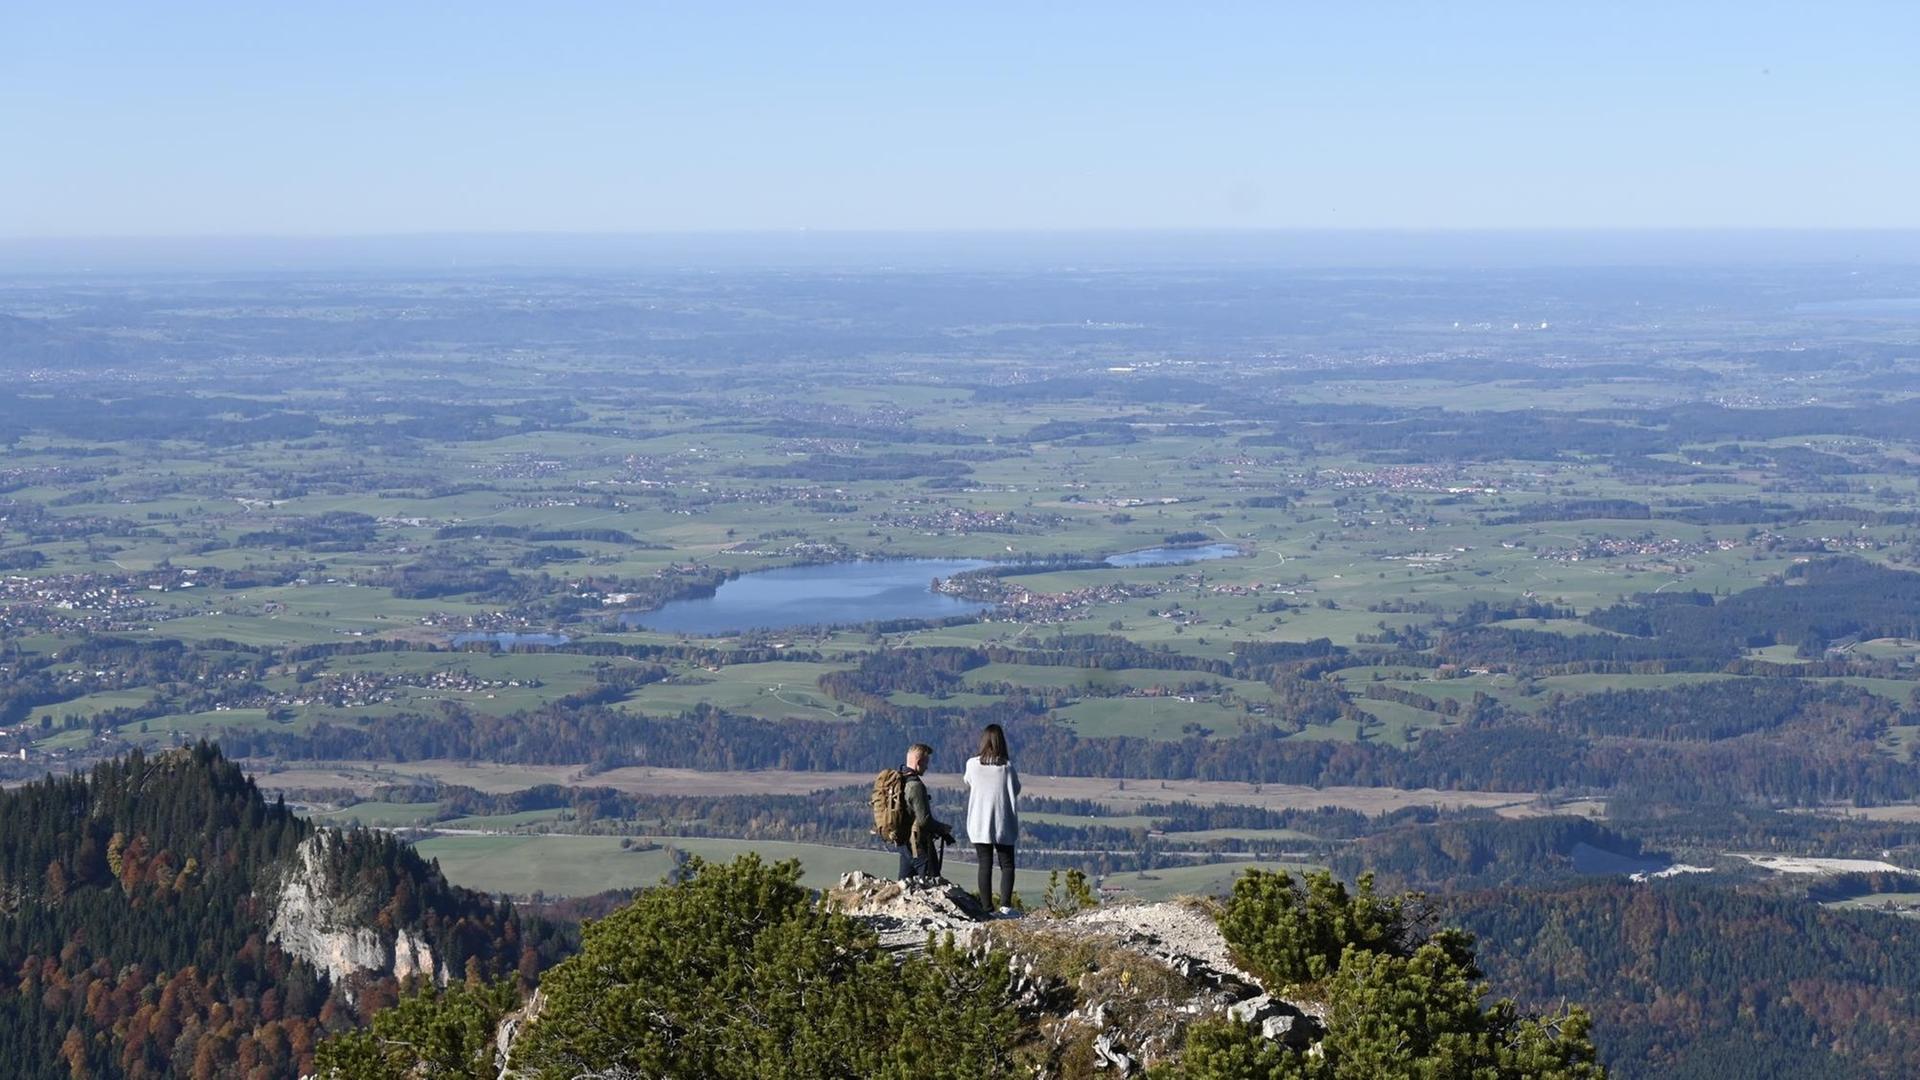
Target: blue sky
{"x": 327, "y": 119}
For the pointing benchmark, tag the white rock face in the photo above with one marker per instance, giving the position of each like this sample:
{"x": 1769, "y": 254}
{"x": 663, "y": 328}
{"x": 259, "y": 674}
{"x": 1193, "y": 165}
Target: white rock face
{"x": 413, "y": 956}
{"x": 512, "y": 1026}
{"x": 314, "y": 921}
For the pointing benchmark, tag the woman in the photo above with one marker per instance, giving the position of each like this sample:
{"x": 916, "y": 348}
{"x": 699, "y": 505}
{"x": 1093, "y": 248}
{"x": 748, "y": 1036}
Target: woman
{"x": 993, "y": 820}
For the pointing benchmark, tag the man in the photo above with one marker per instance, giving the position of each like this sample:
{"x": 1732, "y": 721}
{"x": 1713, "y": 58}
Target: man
{"x": 919, "y": 856}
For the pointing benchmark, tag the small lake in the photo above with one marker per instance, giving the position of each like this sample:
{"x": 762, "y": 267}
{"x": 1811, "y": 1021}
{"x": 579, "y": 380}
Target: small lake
{"x": 830, "y": 594}
{"x": 1173, "y": 556}
{"x": 507, "y": 639}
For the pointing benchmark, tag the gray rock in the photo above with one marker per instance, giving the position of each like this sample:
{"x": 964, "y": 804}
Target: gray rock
{"x": 1279, "y": 1020}
{"x": 1254, "y": 1010}
{"x": 1297, "y": 1031}
{"x": 904, "y": 913}
{"x": 1108, "y": 1056}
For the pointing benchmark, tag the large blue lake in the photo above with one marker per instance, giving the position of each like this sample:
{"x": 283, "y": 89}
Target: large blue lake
{"x": 868, "y": 590}
{"x": 828, "y": 594}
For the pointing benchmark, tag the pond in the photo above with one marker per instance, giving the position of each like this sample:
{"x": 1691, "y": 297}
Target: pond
{"x": 1174, "y": 556}
{"x": 507, "y": 639}
{"x": 829, "y": 594}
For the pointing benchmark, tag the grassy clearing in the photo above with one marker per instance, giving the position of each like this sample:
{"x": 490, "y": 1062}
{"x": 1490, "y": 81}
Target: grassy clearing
{"x": 1208, "y": 879}
{"x": 507, "y": 822}
{"x": 1566, "y": 627}
{"x": 560, "y": 865}
{"x": 1906, "y": 905}
{"x": 1899, "y": 649}
{"x": 554, "y": 865}
{"x": 1123, "y": 796}
{"x": 165, "y": 730}
{"x": 961, "y": 700}
{"x": 771, "y": 691}
{"x": 1203, "y": 836}
{"x": 1588, "y": 684}
{"x": 1116, "y": 821}
{"x": 1150, "y": 718}
{"x": 379, "y": 814}
{"x": 488, "y": 778}
{"x": 1400, "y": 725}
{"x": 90, "y": 705}
{"x": 1901, "y": 741}
{"x": 1899, "y": 691}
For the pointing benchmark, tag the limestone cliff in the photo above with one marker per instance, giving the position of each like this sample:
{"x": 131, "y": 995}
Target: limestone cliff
{"x": 315, "y": 917}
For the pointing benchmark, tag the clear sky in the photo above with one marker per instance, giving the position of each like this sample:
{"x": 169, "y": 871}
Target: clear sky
{"x": 342, "y": 118}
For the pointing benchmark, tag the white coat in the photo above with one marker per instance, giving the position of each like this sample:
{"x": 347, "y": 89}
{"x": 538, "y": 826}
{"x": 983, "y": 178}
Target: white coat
{"x": 993, "y": 793}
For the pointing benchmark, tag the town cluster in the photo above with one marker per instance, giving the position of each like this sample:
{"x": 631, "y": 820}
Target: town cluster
{"x": 89, "y": 602}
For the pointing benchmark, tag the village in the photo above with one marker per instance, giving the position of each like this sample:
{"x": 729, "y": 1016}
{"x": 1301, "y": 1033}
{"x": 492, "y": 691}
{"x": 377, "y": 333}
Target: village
{"x": 89, "y": 602}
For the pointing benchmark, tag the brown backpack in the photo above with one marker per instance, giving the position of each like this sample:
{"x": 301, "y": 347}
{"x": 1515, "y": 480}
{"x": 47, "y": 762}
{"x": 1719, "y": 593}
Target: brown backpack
{"x": 891, "y": 822}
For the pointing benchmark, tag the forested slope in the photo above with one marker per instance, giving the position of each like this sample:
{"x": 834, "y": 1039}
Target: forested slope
{"x": 142, "y": 927}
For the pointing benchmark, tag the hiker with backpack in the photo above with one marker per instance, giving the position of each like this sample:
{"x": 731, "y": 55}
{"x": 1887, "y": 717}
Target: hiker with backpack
{"x": 993, "y": 818}
{"x": 903, "y": 815}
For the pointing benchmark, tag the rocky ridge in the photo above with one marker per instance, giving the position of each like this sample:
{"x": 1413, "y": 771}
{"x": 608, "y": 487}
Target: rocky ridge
{"x": 1107, "y": 992}
{"x": 1111, "y": 990}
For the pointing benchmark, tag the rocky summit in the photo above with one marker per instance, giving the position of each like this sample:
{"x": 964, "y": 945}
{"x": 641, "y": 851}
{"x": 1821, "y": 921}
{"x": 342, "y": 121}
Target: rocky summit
{"x": 1114, "y": 987}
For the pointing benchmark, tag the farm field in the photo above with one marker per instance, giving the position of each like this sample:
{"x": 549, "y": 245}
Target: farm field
{"x": 1445, "y": 572}
{"x": 1206, "y": 880}
{"x": 1116, "y": 795}
{"x": 1503, "y": 572}
{"x": 576, "y": 865}
{"x": 580, "y": 865}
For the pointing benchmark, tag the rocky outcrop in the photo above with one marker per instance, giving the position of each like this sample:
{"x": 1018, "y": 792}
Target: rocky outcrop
{"x": 906, "y": 914}
{"x": 512, "y": 1026}
{"x": 317, "y": 920}
{"x": 1111, "y": 990}
{"x": 1108, "y": 992}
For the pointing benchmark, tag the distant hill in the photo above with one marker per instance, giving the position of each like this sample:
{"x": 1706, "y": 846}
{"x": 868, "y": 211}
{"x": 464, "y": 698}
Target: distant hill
{"x": 161, "y": 918}
{"x": 29, "y": 343}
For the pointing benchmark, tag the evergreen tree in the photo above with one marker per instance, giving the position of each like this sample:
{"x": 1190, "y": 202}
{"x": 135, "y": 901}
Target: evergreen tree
{"x": 737, "y": 971}
{"x": 1398, "y": 1007}
{"x": 431, "y": 1034}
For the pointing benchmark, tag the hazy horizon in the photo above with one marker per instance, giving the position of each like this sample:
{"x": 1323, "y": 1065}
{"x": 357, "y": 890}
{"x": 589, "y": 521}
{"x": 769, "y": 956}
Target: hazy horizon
{"x": 231, "y": 119}
{"x": 1330, "y": 248}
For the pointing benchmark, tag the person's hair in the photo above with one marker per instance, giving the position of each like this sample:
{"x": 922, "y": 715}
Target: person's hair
{"x": 919, "y": 750}
{"x": 993, "y": 746}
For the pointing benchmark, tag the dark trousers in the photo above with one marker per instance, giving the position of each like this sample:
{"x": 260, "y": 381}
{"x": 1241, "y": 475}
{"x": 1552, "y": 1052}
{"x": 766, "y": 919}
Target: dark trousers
{"x": 987, "y": 855}
{"x": 912, "y": 866}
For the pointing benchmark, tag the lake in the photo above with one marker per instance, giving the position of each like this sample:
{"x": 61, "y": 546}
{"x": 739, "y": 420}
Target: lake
{"x": 829, "y": 594}
{"x": 867, "y": 590}
{"x": 507, "y": 639}
{"x": 1173, "y": 556}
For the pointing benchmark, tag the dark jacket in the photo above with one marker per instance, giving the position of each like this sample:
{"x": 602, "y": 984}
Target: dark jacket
{"x": 926, "y": 828}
